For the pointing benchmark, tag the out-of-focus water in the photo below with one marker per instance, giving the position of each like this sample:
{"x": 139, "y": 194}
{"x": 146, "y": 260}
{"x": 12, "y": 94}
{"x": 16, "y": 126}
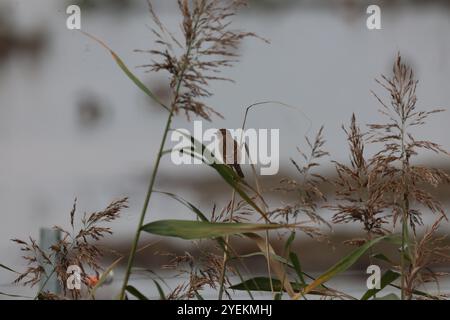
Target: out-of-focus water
{"x": 318, "y": 60}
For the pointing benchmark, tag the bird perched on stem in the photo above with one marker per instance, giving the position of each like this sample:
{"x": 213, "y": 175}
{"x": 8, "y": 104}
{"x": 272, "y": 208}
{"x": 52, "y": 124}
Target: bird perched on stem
{"x": 230, "y": 151}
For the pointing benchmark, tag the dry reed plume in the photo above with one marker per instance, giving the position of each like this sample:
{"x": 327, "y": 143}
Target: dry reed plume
{"x": 79, "y": 247}
{"x": 208, "y": 45}
{"x": 306, "y": 187}
{"x": 399, "y": 147}
{"x": 360, "y": 187}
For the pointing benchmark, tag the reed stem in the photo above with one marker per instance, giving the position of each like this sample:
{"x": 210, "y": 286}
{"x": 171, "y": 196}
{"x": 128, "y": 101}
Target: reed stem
{"x": 158, "y": 160}
{"x": 225, "y": 252}
{"x": 145, "y": 207}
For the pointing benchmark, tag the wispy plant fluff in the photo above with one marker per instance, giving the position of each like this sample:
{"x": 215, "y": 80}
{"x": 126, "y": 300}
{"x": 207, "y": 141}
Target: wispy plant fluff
{"x": 207, "y": 46}
{"x": 360, "y": 187}
{"x": 77, "y": 247}
{"x": 202, "y": 272}
{"x": 406, "y": 180}
{"x": 306, "y": 188}
{"x": 426, "y": 252}
{"x": 233, "y": 212}
{"x": 400, "y": 146}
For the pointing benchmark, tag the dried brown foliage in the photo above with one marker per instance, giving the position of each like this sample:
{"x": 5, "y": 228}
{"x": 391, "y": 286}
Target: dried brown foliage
{"x": 233, "y": 212}
{"x": 360, "y": 187}
{"x": 207, "y": 46}
{"x": 306, "y": 187}
{"x": 371, "y": 190}
{"x": 75, "y": 248}
{"x": 35, "y": 258}
{"x": 427, "y": 251}
{"x": 203, "y": 271}
{"x": 406, "y": 181}
{"x": 400, "y": 146}
{"x": 375, "y": 191}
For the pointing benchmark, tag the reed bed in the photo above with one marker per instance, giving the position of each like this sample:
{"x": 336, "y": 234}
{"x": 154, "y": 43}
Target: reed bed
{"x": 384, "y": 192}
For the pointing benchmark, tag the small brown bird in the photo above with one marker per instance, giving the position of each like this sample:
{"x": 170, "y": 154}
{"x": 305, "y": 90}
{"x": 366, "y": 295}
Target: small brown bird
{"x": 230, "y": 151}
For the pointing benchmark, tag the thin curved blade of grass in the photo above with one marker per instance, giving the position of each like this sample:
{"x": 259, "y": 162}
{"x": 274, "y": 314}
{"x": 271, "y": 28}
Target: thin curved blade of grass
{"x": 161, "y": 293}
{"x": 7, "y": 268}
{"x": 382, "y": 257}
{"x": 127, "y": 71}
{"x": 259, "y": 253}
{"x": 14, "y": 295}
{"x": 263, "y": 284}
{"x": 276, "y": 266}
{"x": 186, "y": 203}
{"x": 321, "y": 290}
{"x": 343, "y": 264}
{"x": 289, "y": 241}
{"x": 390, "y": 296}
{"x": 261, "y": 103}
{"x": 153, "y": 273}
{"x": 397, "y": 240}
{"x": 387, "y": 278}
{"x": 276, "y": 257}
{"x": 104, "y": 276}
{"x": 198, "y": 295}
{"x": 111, "y": 267}
{"x": 290, "y": 265}
{"x": 419, "y": 293}
{"x": 135, "y": 292}
{"x": 191, "y": 230}
{"x": 297, "y": 267}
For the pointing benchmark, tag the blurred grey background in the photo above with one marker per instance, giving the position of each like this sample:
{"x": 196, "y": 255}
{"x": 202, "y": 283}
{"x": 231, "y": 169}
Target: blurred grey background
{"x": 72, "y": 125}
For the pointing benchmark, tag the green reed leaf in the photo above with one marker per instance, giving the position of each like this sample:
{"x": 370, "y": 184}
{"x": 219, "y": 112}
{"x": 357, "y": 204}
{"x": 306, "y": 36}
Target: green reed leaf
{"x": 390, "y": 296}
{"x": 344, "y": 263}
{"x": 135, "y": 292}
{"x": 263, "y": 284}
{"x": 14, "y": 295}
{"x": 297, "y": 267}
{"x": 186, "y": 203}
{"x": 127, "y": 71}
{"x": 162, "y": 295}
{"x": 387, "y": 278}
{"x": 191, "y": 230}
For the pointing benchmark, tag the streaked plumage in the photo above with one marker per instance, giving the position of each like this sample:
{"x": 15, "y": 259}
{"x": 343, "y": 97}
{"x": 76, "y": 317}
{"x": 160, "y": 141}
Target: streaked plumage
{"x": 230, "y": 151}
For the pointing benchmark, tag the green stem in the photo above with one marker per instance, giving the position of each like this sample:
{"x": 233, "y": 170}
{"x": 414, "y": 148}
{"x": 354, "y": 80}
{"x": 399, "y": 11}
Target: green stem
{"x": 225, "y": 252}
{"x": 405, "y": 213}
{"x": 403, "y": 262}
{"x": 158, "y": 160}
{"x": 144, "y": 209}
{"x": 405, "y": 244}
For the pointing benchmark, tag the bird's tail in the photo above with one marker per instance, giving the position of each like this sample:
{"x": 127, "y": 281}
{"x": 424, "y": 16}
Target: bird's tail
{"x": 238, "y": 170}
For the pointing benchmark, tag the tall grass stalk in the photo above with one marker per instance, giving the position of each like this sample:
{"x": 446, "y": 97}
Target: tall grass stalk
{"x": 155, "y": 169}
{"x": 145, "y": 207}
{"x": 208, "y": 45}
{"x": 406, "y": 180}
{"x": 225, "y": 252}
{"x": 405, "y": 204}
